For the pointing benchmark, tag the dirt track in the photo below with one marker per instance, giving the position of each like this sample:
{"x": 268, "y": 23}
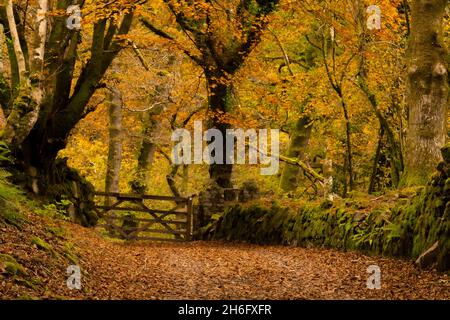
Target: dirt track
{"x": 203, "y": 270}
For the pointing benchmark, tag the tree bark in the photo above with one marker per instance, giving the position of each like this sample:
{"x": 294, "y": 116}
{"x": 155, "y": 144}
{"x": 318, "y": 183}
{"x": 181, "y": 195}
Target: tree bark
{"x": 4, "y": 87}
{"x": 26, "y": 105}
{"x": 15, "y": 38}
{"x": 299, "y": 140}
{"x": 115, "y": 143}
{"x": 348, "y": 142}
{"x": 40, "y": 34}
{"x": 373, "y": 177}
{"x": 140, "y": 182}
{"x": 65, "y": 104}
{"x": 427, "y": 96}
{"x": 220, "y": 102}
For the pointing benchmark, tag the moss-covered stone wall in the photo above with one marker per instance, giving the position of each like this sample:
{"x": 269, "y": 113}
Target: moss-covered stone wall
{"x": 405, "y": 229}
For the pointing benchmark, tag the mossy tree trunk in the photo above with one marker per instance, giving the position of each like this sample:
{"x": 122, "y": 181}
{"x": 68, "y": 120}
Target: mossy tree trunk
{"x": 150, "y": 130}
{"x": 393, "y": 143}
{"x": 48, "y": 100}
{"x": 115, "y": 143}
{"x": 25, "y": 106}
{"x": 4, "y": 90}
{"x": 427, "y": 96}
{"x": 220, "y": 102}
{"x": 61, "y": 110}
{"x": 298, "y": 141}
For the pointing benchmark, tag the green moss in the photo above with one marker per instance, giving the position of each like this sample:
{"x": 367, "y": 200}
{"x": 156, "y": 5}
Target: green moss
{"x": 69, "y": 252}
{"x": 446, "y": 152}
{"x": 415, "y": 178}
{"x": 404, "y": 230}
{"x": 11, "y": 266}
{"x": 61, "y": 185}
{"x": 447, "y": 186}
{"x": 41, "y": 244}
{"x": 10, "y": 199}
{"x": 57, "y": 231}
{"x": 32, "y": 283}
{"x": 11, "y": 215}
{"x": 27, "y": 297}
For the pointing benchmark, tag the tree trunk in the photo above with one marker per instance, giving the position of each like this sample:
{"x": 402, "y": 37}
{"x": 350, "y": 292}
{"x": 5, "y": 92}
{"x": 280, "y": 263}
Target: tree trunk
{"x": 299, "y": 140}
{"x": 185, "y": 181}
{"x": 150, "y": 131}
{"x": 45, "y": 104}
{"x": 140, "y": 184}
{"x": 327, "y": 171}
{"x": 141, "y": 178}
{"x": 171, "y": 180}
{"x": 115, "y": 143}
{"x": 40, "y": 34}
{"x": 4, "y": 88}
{"x": 220, "y": 101}
{"x": 373, "y": 177}
{"x": 220, "y": 57}
{"x": 393, "y": 145}
{"x": 26, "y": 105}
{"x": 15, "y": 37}
{"x": 427, "y": 96}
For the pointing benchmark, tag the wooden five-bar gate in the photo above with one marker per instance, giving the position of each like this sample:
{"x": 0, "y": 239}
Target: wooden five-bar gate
{"x": 119, "y": 214}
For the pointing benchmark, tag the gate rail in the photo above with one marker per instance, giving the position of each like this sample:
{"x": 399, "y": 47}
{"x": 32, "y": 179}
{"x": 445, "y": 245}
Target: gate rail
{"x": 131, "y": 227}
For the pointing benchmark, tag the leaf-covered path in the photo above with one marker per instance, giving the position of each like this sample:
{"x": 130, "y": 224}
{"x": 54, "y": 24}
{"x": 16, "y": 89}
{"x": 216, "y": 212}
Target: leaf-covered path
{"x": 203, "y": 270}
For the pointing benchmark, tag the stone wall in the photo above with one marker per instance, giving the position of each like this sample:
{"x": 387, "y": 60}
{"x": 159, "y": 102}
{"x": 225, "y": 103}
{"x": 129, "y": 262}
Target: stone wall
{"x": 408, "y": 228}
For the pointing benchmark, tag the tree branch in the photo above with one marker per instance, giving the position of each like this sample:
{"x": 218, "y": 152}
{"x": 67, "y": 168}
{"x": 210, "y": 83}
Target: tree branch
{"x": 167, "y": 36}
{"x": 15, "y": 39}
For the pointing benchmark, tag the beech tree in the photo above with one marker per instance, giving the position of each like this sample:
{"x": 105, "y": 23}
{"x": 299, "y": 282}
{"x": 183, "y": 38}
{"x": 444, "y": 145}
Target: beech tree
{"x": 299, "y": 139}
{"x": 48, "y": 89}
{"x": 224, "y": 33}
{"x": 428, "y": 92}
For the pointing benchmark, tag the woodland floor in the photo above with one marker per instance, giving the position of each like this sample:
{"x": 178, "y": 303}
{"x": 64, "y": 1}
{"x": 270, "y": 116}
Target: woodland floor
{"x": 210, "y": 270}
{"x": 205, "y": 270}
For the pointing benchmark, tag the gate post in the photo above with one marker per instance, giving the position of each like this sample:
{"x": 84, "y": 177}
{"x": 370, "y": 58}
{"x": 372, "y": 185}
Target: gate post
{"x": 189, "y": 220}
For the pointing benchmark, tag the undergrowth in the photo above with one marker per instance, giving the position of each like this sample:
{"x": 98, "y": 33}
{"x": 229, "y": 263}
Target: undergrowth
{"x": 10, "y": 199}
